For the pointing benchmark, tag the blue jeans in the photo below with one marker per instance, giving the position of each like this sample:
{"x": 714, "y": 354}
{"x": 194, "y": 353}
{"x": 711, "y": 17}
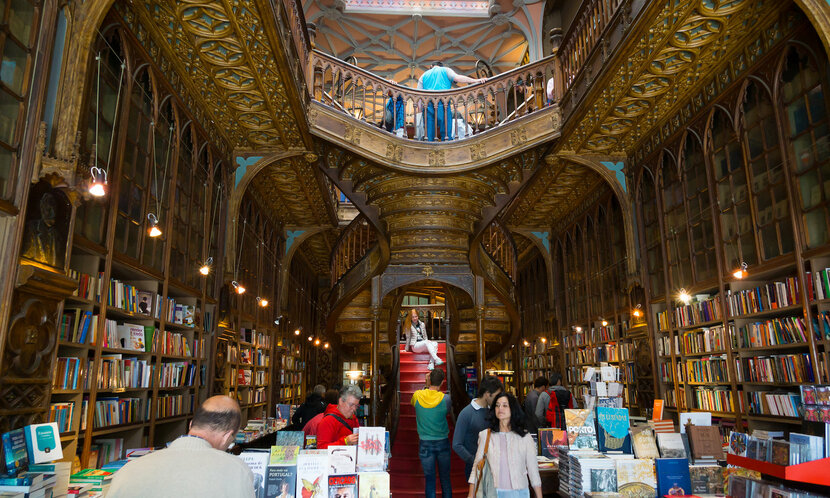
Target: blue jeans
{"x": 432, "y": 453}
{"x": 443, "y": 131}
{"x": 513, "y": 493}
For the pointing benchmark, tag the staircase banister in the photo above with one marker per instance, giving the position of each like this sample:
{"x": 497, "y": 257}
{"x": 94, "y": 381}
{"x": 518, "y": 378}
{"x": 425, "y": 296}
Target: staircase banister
{"x": 458, "y": 390}
{"x": 346, "y": 232}
{"x": 496, "y": 82}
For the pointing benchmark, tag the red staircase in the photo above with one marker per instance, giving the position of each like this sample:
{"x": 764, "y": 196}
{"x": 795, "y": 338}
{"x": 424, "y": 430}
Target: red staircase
{"x": 406, "y": 473}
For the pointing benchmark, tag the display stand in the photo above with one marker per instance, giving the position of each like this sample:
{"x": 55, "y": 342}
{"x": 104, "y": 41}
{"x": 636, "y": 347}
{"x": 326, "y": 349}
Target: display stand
{"x": 815, "y": 472}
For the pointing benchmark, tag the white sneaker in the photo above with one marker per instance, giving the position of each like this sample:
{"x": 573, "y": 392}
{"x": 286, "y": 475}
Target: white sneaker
{"x": 430, "y": 367}
{"x": 439, "y": 362}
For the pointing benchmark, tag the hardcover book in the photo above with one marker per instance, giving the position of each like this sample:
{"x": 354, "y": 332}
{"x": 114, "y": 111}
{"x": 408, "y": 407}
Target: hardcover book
{"x": 284, "y": 455}
{"x": 706, "y": 479}
{"x": 257, "y": 461}
{"x": 373, "y": 485}
{"x": 15, "y": 455}
{"x": 342, "y": 459}
{"x": 281, "y": 480}
{"x": 695, "y": 418}
{"x": 290, "y": 438}
{"x": 581, "y": 432}
{"x": 604, "y": 480}
{"x": 673, "y": 476}
{"x": 671, "y": 445}
{"x": 643, "y": 443}
{"x": 705, "y": 442}
{"x": 612, "y": 430}
{"x": 312, "y": 474}
{"x": 635, "y": 478}
{"x": 43, "y": 442}
{"x": 370, "y": 448}
{"x": 737, "y": 443}
{"x": 342, "y": 486}
{"x": 550, "y": 440}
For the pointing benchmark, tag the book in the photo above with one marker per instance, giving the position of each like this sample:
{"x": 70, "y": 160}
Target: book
{"x": 373, "y": 485}
{"x": 257, "y": 461}
{"x": 706, "y": 442}
{"x": 581, "y": 430}
{"x": 779, "y": 452}
{"x": 283, "y": 455}
{"x": 280, "y": 480}
{"x": 145, "y": 302}
{"x": 310, "y": 441}
{"x": 811, "y": 447}
{"x": 613, "y": 430}
{"x": 706, "y": 479}
{"x": 737, "y": 443}
{"x": 550, "y": 440}
{"x": 341, "y": 486}
{"x": 342, "y": 459}
{"x": 635, "y": 478}
{"x": 671, "y": 445}
{"x": 643, "y": 443}
{"x": 673, "y": 476}
{"x": 15, "y": 455}
{"x": 695, "y": 418}
{"x": 657, "y": 410}
{"x": 604, "y": 480}
{"x": 312, "y": 474}
{"x": 370, "y": 449}
{"x": 62, "y": 470}
{"x": 290, "y": 438}
{"x": 283, "y": 412}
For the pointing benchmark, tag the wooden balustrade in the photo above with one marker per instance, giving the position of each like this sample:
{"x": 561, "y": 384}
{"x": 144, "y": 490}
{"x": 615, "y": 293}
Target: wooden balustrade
{"x": 499, "y": 244}
{"x": 466, "y": 110}
{"x": 298, "y": 29}
{"x": 583, "y": 36}
{"x": 353, "y": 244}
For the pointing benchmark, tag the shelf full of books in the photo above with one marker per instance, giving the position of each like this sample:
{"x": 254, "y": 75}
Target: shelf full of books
{"x": 245, "y": 370}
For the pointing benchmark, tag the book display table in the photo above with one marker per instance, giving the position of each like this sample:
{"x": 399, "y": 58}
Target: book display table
{"x": 815, "y": 472}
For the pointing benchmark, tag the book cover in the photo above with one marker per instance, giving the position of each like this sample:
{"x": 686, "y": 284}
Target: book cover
{"x": 257, "y": 461}
{"x": 136, "y": 340}
{"x": 657, "y": 410}
{"x": 342, "y": 459}
{"x": 370, "y": 448}
{"x": 706, "y": 442}
{"x": 671, "y": 445}
{"x": 635, "y": 478}
{"x": 15, "y": 456}
{"x": 810, "y": 447}
{"x": 145, "y": 302}
{"x": 284, "y": 455}
{"x": 43, "y": 442}
{"x": 310, "y": 441}
{"x": 281, "y": 481}
{"x": 673, "y": 476}
{"x": 604, "y": 480}
{"x": 290, "y": 438}
{"x": 643, "y": 443}
{"x": 550, "y": 440}
{"x": 581, "y": 430}
{"x": 779, "y": 452}
{"x": 763, "y": 450}
{"x": 695, "y": 418}
{"x": 612, "y": 430}
{"x": 312, "y": 474}
{"x": 343, "y": 486}
{"x": 373, "y": 485}
{"x": 737, "y": 443}
{"x": 706, "y": 479}
{"x": 283, "y": 411}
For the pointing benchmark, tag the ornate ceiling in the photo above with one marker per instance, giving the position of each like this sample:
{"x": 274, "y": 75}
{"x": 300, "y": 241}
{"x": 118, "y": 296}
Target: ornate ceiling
{"x": 317, "y": 250}
{"x": 291, "y": 188}
{"x": 401, "y": 46}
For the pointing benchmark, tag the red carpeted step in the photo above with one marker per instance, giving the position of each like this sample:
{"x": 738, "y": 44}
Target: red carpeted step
{"x": 407, "y": 478}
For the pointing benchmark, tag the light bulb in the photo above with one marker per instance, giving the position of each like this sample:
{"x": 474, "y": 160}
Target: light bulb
{"x": 262, "y": 301}
{"x": 98, "y": 184}
{"x": 97, "y": 189}
{"x": 310, "y": 338}
{"x": 684, "y": 297}
{"x": 578, "y": 328}
{"x": 326, "y": 345}
{"x": 605, "y": 323}
{"x": 526, "y": 343}
{"x": 239, "y": 288}
{"x": 741, "y": 272}
{"x": 637, "y": 312}
{"x": 544, "y": 340}
{"x": 297, "y": 332}
{"x": 154, "y": 230}
{"x": 316, "y": 342}
{"x": 205, "y": 268}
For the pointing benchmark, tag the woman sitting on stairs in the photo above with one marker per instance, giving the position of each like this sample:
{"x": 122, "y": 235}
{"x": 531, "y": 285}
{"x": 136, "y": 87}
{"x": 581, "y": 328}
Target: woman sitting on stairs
{"x": 417, "y": 342}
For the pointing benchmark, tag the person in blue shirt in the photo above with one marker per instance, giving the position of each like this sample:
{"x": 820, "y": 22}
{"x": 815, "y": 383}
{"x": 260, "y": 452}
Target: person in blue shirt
{"x": 440, "y": 78}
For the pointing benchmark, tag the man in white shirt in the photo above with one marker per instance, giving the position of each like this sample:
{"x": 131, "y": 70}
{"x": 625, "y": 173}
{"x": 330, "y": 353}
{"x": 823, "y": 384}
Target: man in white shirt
{"x": 194, "y": 465}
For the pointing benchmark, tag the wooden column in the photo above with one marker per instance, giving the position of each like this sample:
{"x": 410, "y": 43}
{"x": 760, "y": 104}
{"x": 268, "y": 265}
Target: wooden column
{"x": 480, "y": 358}
{"x": 375, "y": 391}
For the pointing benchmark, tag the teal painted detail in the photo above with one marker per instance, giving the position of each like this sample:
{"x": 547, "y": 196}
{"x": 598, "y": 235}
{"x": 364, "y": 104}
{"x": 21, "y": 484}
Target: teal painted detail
{"x": 617, "y": 168}
{"x": 290, "y": 235}
{"x": 543, "y": 236}
{"x": 243, "y": 163}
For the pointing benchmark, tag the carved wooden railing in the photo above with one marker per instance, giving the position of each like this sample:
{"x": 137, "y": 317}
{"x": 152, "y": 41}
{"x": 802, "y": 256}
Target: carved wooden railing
{"x": 390, "y": 406}
{"x": 469, "y": 109}
{"x": 499, "y": 245}
{"x": 299, "y": 31}
{"x": 355, "y": 241}
{"x": 456, "y": 386}
{"x": 583, "y": 36}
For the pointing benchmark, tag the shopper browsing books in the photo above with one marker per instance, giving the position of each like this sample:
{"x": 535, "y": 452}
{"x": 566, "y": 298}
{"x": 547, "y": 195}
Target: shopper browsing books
{"x": 507, "y": 452}
{"x": 474, "y": 419}
{"x": 330, "y": 398}
{"x": 313, "y": 406}
{"x": 540, "y": 385}
{"x": 194, "y": 465}
{"x": 339, "y": 421}
{"x": 431, "y": 409}
{"x": 550, "y": 409}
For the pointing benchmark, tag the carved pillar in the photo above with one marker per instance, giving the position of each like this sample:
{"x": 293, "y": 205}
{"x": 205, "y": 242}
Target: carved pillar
{"x": 375, "y": 392}
{"x": 480, "y": 349}
{"x": 517, "y": 371}
{"x": 558, "y": 78}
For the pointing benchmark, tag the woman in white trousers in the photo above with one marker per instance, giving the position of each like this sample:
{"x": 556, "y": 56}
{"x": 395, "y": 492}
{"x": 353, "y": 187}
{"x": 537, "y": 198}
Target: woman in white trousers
{"x": 417, "y": 342}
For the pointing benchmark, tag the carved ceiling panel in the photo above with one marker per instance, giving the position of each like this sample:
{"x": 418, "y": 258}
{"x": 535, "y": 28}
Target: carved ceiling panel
{"x": 675, "y": 53}
{"x": 317, "y": 250}
{"x": 221, "y": 52}
{"x": 290, "y": 188}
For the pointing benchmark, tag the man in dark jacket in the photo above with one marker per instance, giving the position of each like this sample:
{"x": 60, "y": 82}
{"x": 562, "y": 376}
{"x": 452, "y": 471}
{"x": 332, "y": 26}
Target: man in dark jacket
{"x": 313, "y": 405}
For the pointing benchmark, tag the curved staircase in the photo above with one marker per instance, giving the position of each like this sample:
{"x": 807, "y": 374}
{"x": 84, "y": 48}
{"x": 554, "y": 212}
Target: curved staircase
{"x": 406, "y": 473}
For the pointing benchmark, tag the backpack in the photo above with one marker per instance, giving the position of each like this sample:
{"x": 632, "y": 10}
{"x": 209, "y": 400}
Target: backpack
{"x": 555, "y": 413}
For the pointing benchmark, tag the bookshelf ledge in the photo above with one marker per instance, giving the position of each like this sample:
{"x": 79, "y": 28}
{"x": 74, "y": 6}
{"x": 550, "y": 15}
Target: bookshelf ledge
{"x": 814, "y": 472}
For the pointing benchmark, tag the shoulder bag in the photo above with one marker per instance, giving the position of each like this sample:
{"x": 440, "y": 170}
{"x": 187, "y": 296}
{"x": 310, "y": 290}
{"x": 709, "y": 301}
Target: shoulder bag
{"x": 485, "y": 487}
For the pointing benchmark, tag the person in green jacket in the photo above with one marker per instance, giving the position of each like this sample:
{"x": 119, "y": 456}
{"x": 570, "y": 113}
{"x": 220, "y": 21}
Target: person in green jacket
{"x": 431, "y": 409}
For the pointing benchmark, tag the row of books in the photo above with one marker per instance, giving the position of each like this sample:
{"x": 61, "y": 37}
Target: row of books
{"x": 126, "y": 335}
{"x": 62, "y": 413}
{"x": 262, "y": 340}
{"x": 78, "y": 326}
{"x": 537, "y": 361}
{"x": 782, "y": 368}
{"x": 174, "y": 405}
{"x": 261, "y": 377}
{"x": 700, "y": 312}
{"x": 292, "y": 363}
{"x": 117, "y": 411}
{"x": 606, "y": 352}
{"x": 70, "y": 373}
{"x": 706, "y": 369}
{"x": 782, "y": 404}
{"x": 172, "y": 343}
{"x": 800, "y": 448}
{"x": 131, "y": 299}
{"x": 117, "y": 372}
{"x": 290, "y": 377}
{"x": 262, "y": 358}
{"x": 705, "y": 340}
{"x": 176, "y": 374}
{"x": 769, "y": 296}
{"x": 718, "y": 399}
{"x": 774, "y": 332}
{"x": 246, "y": 356}
{"x": 89, "y": 286}
{"x": 603, "y": 334}
{"x": 259, "y": 395}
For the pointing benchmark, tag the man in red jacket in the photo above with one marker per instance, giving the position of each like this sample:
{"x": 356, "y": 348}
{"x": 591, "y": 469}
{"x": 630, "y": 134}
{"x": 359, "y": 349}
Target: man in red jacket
{"x": 339, "y": 421}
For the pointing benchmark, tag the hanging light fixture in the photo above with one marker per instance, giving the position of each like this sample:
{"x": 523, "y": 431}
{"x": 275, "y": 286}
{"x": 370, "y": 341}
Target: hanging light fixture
{"x": 316, "y": 342}
{"x": 205, "y": 268}
{"x": 578, "y": 329}
{"x": 310, "y": 338}
{"x": 239, "y": 288}
{"x": 544, "y": 340}
{"x": 525, "y": 343}
{"x": 325, "y": 345}
{"x": 98, "y": 182}
{"x": 604, "y": 322}
{"x": 153, "y": 230}
{"x": 741, "y": 272}
{"x": 297, "y": 331}
{"x": 262, "y": 301}
{"x": 637, "y": 312}
{"x": 684, "y": 297}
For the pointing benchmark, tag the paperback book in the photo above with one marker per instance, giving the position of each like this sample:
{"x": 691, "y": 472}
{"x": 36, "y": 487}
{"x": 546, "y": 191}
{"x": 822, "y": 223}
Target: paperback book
{"x": 284, "y": 455}
{"x": 706, "y": 479}
{"x": 643, "y": 443}
{"x": 342, "y": 486}
{"x": 612, "y": 430}
{"x": 281, "y": 480}
{"x": 15, "y": 455}
{"x": 291, "y": 438}
{"x": 673, "y": 476}
{"x": 342, "y": 459}
{"x": 312, "y": 474}
{"x": 737, "y": 443}
{"x": 257, "y": 461}
{"x": 635, "y": 478}
{"x": 581, "y": 431}
{"x": 373, "y": 485}
{"x": 550, "y": 440}
{"x": 370, "y": 448}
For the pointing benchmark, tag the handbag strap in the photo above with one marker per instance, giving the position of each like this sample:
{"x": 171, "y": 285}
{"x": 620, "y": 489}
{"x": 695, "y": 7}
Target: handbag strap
{"x": 482, "y": 462}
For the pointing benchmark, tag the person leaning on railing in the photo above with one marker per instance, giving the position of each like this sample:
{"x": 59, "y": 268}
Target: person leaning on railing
{"x": 440, "y": 78}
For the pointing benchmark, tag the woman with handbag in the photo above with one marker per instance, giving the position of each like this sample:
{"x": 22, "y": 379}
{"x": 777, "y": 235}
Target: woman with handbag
{"x": 506, "y": 456}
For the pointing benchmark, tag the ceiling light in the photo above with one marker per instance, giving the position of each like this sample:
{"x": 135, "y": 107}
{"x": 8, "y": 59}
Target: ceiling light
{"x": 741, "y": 271}
{"x": 98, "y": 182}
{"x": 205, "y": 268}
{"x": 154, "y": 230}
{"x": 684, "y": 297}
{"x": 262, "y": 301}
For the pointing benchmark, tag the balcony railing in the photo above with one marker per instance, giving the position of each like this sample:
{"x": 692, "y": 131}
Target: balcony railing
{"x": 355, "y": 241}
{"x": 420, "y": 114}
{"x": 498, "y": 243}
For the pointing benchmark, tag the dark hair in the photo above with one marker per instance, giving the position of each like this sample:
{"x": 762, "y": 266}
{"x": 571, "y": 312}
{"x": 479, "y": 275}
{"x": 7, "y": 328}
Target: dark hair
{"x": 540, "y": 382}
{"x": 217, "y": 421}
{"x": 555, "y": 377}
{"x": 489, "y": 384}
{"x": 517, "y": 415}
{"x": 436, "y": 377}
{"x": 331, "y": 396}
{"x": 438, "y": 63}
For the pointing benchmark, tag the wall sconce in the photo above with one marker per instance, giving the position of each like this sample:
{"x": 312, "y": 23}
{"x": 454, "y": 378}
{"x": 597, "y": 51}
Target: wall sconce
{"x": 153, "y": 230}
{"x": 684, "y": 297}
{"x": 98, "y": 182}
{"x": 741, "y": 272}
{"x": 205, "y": 268}
{"x": 262, "y": 302}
